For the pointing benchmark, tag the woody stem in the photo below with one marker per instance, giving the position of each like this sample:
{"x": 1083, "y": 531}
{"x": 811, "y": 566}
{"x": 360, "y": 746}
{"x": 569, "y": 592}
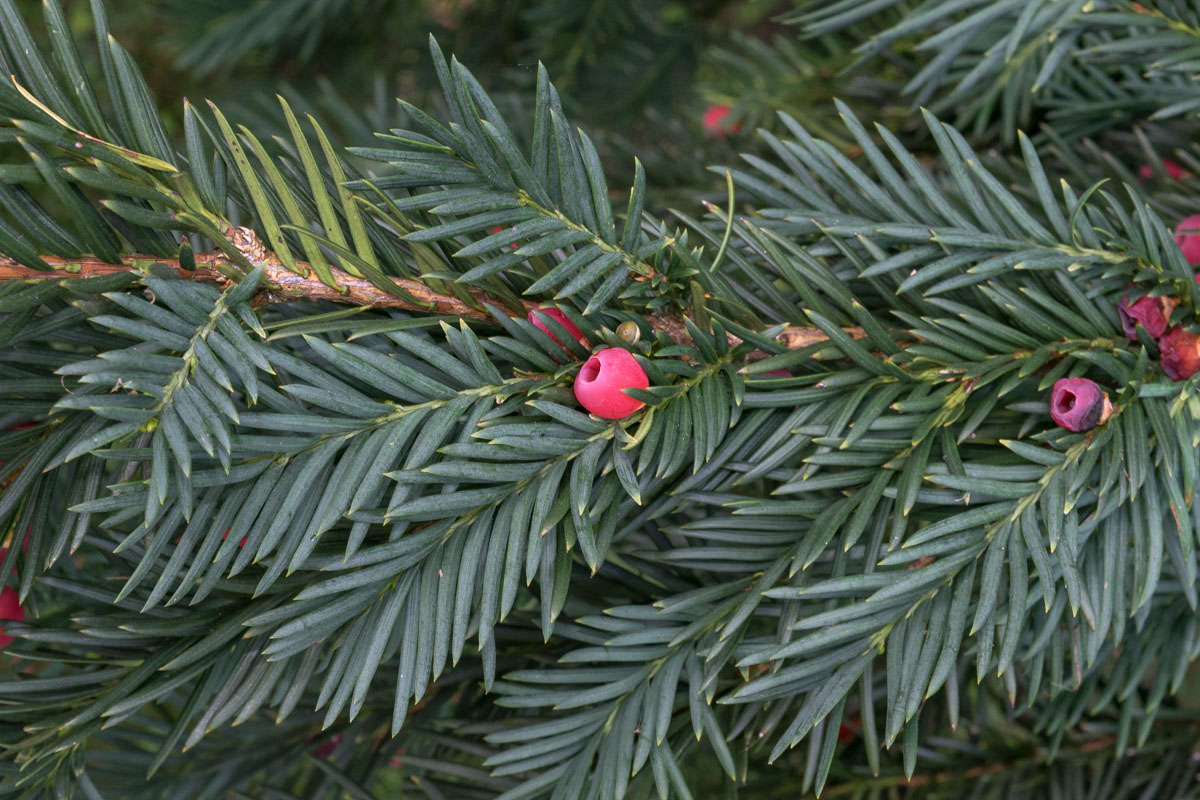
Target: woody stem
{"x": 282, "y": 285}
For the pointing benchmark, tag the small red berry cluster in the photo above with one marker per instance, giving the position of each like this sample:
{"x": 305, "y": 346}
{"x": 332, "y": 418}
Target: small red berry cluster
{"x": 1078, "y": 404}
{"x": 602, "y": 380}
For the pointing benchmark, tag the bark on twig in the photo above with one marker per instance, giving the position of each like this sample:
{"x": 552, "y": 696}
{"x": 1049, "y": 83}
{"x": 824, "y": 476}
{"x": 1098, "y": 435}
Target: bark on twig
{"x": 282, "y": 285}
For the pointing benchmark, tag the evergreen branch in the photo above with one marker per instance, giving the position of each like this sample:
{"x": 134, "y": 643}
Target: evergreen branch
{"x": 282, "y": 285}
{"x": 338, "y": 493}
{"x": 1092, "y": 65}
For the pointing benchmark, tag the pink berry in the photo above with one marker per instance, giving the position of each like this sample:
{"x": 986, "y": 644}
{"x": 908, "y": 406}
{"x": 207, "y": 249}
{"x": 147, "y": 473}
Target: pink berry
{"x": 1187, "y": 236}
{"x": 1152, "y": 313}
{"x": 10, "y": 608}
{"x": 714, "y": 123}
{"x": 601, "y": 379}
{"x": 559, "y": 317}
{"x": 1078, "y": 404}
{"x": 1174, "y": 170}
{"x": 1179, "y": 351}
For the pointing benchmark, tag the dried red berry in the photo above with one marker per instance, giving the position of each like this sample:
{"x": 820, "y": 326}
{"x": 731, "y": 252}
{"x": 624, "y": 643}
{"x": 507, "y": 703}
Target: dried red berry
{"x": 1187, "y": 236}
{"x": 1179, "y": 351}
{"x": 714, "y": 123}
{"x": 603, "y": 377}
{"x": 1152, "y": 313}
{"x": 1174, "y": 170}
{"x": 10, "y": 608}
{"x": 559, "y": 317}
{"x": 1078, "y": 404}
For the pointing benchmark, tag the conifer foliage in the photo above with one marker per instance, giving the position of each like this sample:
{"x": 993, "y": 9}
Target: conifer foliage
{"x": 298, "y": 437}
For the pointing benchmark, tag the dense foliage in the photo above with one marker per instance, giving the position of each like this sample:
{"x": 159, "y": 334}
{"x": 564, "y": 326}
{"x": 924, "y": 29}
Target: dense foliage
{"x": 299, "y": 500}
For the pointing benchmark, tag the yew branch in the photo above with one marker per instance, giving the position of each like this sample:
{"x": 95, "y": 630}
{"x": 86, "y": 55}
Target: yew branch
{"x": 282, "y": 284}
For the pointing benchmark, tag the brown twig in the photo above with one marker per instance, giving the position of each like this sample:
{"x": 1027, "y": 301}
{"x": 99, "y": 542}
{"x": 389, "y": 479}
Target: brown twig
{"x": 281, "y": 285}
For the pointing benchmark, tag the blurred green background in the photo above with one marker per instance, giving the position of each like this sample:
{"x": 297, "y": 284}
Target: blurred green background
{"x": 637, "y": 74}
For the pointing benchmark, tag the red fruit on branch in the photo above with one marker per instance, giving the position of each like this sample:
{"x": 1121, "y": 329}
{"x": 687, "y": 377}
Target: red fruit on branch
{"x": 714, "y": 124}
{"x": 1179, "y": 351}
{"x": 10, "y": 608}
{"x": 1174, "y": 170}
{"x": 1152, "y": 313}
{"x": 602, "y": 379}
{"x": 1187, "y": 236}
{"x": 538, "y": 318}
{"x": 1078, "y": 404}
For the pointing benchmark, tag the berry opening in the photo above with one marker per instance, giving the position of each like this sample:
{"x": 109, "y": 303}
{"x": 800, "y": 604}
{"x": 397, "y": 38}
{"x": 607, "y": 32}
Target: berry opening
{"x": 590, "y": 370}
